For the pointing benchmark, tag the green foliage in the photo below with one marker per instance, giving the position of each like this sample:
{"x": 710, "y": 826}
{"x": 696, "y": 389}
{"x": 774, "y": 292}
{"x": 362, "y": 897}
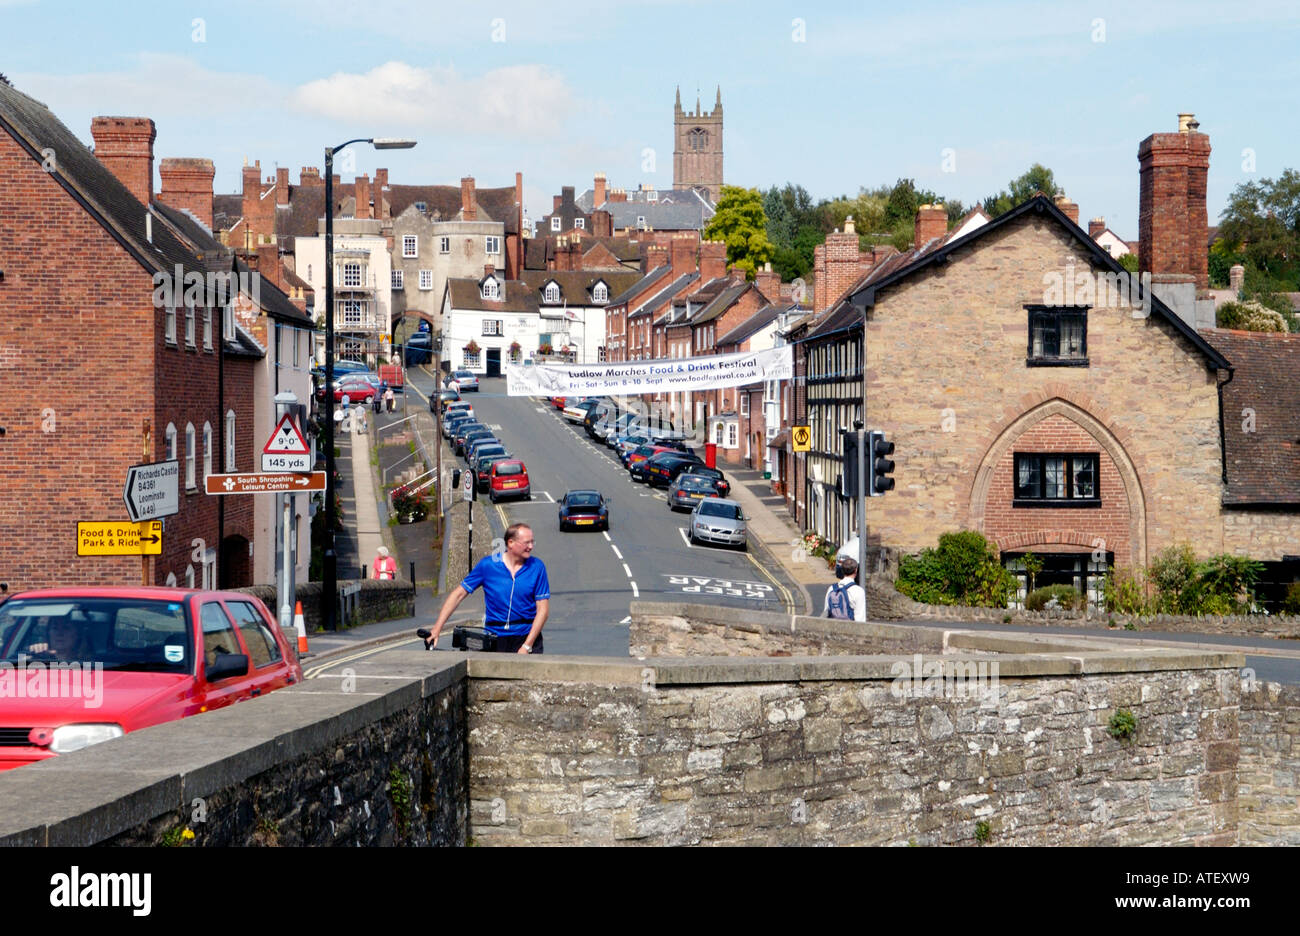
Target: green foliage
{"x": 1123, "y": 725}
{"x": 1262, "y": 222}
{"x": 1222, "y": 584}
{"x": 790, "y": 264}
{"x": 1037, "y": 178}
{"x": 406, "y": 503}
{"x": 1173, "y": 573}
{"x": 1129, "y": 262}
{"x": 399, "y": 791}
{"x": 962, "y": 569}
{"x": 1065, "y": 595}
{"x": 983, "y": 831}
{"x": 742, "y": 223}
{"x": 1222, "y": 259}
{"x": 1033, "y": 565}
{"x": 1291, "y": 603}
{"x": 1251, "y": 315}
{"x": 1125, "y": 592}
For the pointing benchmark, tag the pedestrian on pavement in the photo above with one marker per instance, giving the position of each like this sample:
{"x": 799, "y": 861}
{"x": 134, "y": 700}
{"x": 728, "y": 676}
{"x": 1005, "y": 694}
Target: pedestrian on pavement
{"x": 390, "y": 402}
{"x": 377, "y": 402}
{"x": 516, "y": 595}
{"x": 385, "y": 565}
{"x": 846, "y": 599}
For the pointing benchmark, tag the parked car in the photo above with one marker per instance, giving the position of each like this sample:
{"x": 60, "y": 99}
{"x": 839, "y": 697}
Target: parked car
{"x": 474, "y": 446}
{"x": 452, "y": 423}
{"x": 509, "y": 478}
{"x": 418, "y": 349}
{"x": 687, "y": 488}
{"x": 724, "y": 486}
{"x": 625, "y": 445}
{"x": 464, "y": 379}
{"x": 715, "y": 520}
{"x": 483, "y": 463}
{"x": 660, "y": 470}
{"x": 464, "y": 428}
{"x": 463, "y": 442}
{"x": 439, "y": 401}
{"x": 357, "y": 388}
{"x": 584, "y": 509}
{"x": 614, "y": 426}
{"x": 165, "y": 653}
{"x": 577, "y": 412}
{"x": 636, "y": 461}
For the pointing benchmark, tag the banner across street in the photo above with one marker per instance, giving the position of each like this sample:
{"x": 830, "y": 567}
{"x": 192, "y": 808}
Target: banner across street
{"x": 657, "y": 376}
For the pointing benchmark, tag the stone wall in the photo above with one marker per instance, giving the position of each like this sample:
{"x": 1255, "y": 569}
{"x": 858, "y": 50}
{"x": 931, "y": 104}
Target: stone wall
{"x": 321, "y": 763}
{"x": 1269, "y": 771}
{"x": 819, "y": 751}
{"x": 887, "y": 603}
{"x": 378, "y": 600}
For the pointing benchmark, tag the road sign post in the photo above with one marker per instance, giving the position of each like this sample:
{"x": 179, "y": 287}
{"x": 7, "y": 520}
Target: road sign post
{"x": 152, "y": 491}
{"x": 285, "y": 450}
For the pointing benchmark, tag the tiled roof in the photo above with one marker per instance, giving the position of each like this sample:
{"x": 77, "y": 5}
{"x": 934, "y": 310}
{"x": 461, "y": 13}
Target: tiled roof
{"x": 640, "y": 285}
{"x": 657, "y": 301}
{"x": 586, "y": 201}
{"x": 755, "y": 323}
{"x": 575, "y": 286}
{"x": 720, "y": 303}
{"x": 226, "y": 210}
{"x": 467, "y": 296}
{"x": 495, "y": 204}
{"x": 1263, "y": 464}
{"x": 660, "y": 217}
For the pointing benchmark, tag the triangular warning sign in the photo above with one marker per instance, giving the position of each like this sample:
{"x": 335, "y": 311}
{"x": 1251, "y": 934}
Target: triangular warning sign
{"x": 286, "y": 440}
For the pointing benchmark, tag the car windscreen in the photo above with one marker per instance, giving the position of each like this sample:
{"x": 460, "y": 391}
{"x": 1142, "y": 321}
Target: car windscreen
{"x": 584, "y": 500}
{"x": 513, "y": 468}
{"x": 719, "y": 509}
{"x": 487, "y": 451}
{"x": 117, "y": 633}
{"x": 692, "y": 482}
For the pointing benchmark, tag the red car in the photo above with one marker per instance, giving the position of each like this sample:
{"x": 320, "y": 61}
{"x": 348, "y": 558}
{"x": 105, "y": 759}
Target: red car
{"x": 83, "y": 665}
{"x": 509, "y": 478}
{"x": 356, "y": 390}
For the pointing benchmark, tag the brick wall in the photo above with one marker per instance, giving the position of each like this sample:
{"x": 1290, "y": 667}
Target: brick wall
{"x": 1172, "y": 218}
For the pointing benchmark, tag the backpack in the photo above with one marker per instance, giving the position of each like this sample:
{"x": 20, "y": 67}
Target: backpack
{"x": 837, "y": 604}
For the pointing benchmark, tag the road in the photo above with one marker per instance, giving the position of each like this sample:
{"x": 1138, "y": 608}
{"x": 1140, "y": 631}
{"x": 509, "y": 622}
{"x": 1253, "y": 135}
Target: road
{"x": 595, "y": 575}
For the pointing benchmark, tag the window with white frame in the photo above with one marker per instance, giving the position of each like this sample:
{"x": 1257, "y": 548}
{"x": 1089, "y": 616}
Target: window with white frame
{"x": 190, "y": 454}
{"x": 717, "y": 432}
{"x": 397, "y": 279}
{"x": 552, "y": 292}
{"x": 426, "y": 279}
{"x": 207, "y": 328}
{"x": 230, "y": 440}
{"x": 228, "y": 323}
{"x": 492, "y": 326}
{"x": 640, "y": 222}
{"x": 207, "y": 449}
{"x": 169, "y": 328}
{"x": 444, "y": 245}
{"x": 491, "y": 289}
{"x": 733, "y": 435}
{"x": 492, "y": 245}
{"x": 471, "y": 359}
{"x": 556, "y": 222}
{"x": 210, "y": 568}
{"x": 353, "y": 311}
{"x": 352, "y": 274}
{"x": 409, "y": 245}
{"x": 297, "y": 339}
{"x": 170, "y": 437}
{"x": 600, "y": 293}
{"x": 580, "y": 223}
{"x": 744, "y": 403}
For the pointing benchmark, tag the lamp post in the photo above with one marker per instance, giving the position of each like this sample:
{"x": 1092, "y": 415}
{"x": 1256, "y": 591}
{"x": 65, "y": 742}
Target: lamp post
{"x": 330, "y": 576}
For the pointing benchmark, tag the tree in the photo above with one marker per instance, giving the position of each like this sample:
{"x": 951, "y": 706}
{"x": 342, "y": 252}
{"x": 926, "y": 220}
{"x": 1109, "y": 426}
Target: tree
{"x": 1262, "y": 224}
{"x": 1037, "y": 178}
{"x": 741, "y": 222}
{"x": 780, "y": 219}
{"x": 790, "y": 264}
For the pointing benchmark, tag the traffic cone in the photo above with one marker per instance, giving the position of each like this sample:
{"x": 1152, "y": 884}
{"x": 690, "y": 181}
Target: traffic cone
{"x": 301, "y": 627}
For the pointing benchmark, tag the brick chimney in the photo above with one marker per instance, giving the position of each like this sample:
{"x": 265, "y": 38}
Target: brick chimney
{"x": 683, "y": 253}
{"x": 1172, "y": 219}
{"x": 713, "y": 260}
{"x": 269, "y": 266}
{"x": 468, "y": 204}
{"x": 555, "y": 204}
{"x": 618, "y": 195}
{"x": 187, "y": 186}
{"x": 841, "y": 264}
{"x": 125, "y": 146}
{"x": 655, "y": 256}
{"x": 1068, "y": 208}
{"x": 820, "y": 290}
{"x": 599, "y": 198}
{"x": 489, "y": 270}
{"x": 931, "y": 222}
{"x": 361, "y": 190}
{"x": 282, "y": 185}
{"x": 258, "y": 212}
{"x": 310, "y": 175}
{"x": 382, "y": 209}
{"x": 768, "y": 283}
{"x": 602, "y": 224}
{"x": 1096, "y": 227}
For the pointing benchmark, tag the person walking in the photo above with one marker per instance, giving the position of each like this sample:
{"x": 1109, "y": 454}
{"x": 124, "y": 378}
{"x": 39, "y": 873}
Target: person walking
{"x": 385, "y": 566}
{"x": 516, "y": 595}
{"x": 846, "y": 599}
{"x": 390, "y": 402}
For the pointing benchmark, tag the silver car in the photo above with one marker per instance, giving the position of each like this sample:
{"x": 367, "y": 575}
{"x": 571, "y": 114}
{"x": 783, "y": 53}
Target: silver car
{"x": 715, "y": 520}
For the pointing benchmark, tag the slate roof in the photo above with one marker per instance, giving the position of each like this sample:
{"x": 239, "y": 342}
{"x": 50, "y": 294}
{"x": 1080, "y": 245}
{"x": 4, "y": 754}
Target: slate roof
{"x": 720, "y": 303}
{"x": 640, "y": 285}
{"x": 575, "y": 286}
{"x": 1262, "y": 466}
{"x": 657, "y": 301}
{"x": 660, "y": 217}
{"x": 467, "y": 296}
{"x": 754, "y": 324}
{"x": 586, "y": 201}
{"x": 498, "y": 204}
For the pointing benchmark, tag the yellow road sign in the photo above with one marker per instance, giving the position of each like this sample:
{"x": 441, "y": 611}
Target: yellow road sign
{"x": 801, "y": 437}
{"x": 119, "y": 538}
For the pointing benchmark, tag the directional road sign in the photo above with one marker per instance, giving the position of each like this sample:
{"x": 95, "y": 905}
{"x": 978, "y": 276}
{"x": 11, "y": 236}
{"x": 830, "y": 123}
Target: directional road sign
{"x": 286, "y": 450}
{"x": 264, "y": 483}
{"x": 119, "y": 538}
{"x": 152, "y": 491}
{"x": 801, "y": 436}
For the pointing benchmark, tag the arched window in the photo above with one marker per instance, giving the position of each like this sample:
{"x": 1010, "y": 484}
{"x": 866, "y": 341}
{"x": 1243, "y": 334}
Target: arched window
{"x": 207, "y": 449}
{"x": 697, "y": 139}
{"x": 600, "y": 293}
{"x": 170, "y": 436}
{"x": 189, "y": 456}
{"x": 230, "y": 440}
{"x": 552, "y": 292}
{"x": 491, "y": 289}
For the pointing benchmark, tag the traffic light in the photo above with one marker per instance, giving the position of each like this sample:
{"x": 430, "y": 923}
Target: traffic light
{"x": 849, "y": 475}
{"x": 878, "y": 450}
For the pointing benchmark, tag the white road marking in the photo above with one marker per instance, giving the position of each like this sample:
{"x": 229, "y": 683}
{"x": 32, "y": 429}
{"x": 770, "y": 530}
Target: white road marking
{"x": 626, "y": 570}
{"x": 540, "y": 410}
{"x": 685, "y": 539}
{"x": 606, "y": 535}
{"x": 549, "y": 497}
{"x": 616, "y": 552}
{"x": 494, "y": 427}
{"x": 636, "y": 592}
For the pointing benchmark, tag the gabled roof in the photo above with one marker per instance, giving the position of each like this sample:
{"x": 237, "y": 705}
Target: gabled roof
{"x": 494, "y": 204}
{"x": 720, "y": 303}
{"x": 466, "y": 296}
{"x": 660, "y": 217}
{"x": 1262, "y": 466}
{"x": 661, "y": 298}
{"x": 847, "y": 313}
{"x": 642, "y": 284}
{"x": 752, "y": 325}
{"x": 576, "y": 285}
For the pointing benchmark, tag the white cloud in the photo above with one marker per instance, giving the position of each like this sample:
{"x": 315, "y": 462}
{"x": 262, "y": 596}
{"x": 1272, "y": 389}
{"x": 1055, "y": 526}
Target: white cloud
{"x": 517, "y": 101}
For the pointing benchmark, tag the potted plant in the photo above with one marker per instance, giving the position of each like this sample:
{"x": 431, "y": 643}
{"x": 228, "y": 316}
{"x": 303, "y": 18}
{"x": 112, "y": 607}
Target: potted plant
{"x": 515, "y": 350}
{"x": 472, "y": 347}
{"x": 545, "y": 349}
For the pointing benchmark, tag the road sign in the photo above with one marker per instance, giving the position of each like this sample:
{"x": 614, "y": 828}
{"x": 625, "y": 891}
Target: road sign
{"x": 152, "y": 491}
{"x": 119, "y": 538}
{"x": 468, "y": 483}
{"x": 801, "y": 436}
{"x": 286, "y": 450}
{"x": 265, "y": 483}
{"x": 296, "y": 461}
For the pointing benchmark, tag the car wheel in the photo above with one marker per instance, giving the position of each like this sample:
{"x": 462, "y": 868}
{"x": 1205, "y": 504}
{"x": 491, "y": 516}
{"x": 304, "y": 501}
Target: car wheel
{"x": 492, "y": 496}
{"x": 561, "y": 526}
{"x": 694, "y": 541}
{"x": 744, "y": 547}
{"x": 528, "y": 496}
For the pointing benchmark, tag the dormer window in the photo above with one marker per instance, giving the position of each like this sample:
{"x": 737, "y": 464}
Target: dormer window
{"x": 600, "y": 293}
{"x": 421, "y": 206}
{"x": 555, "y": 223}
{"x": 640, "y": 222}
{"x": 1058, "y": 337}
{"x": 491, "y": 289}
{"x": 580, "y": 223}
{"x": 552, "y": 293}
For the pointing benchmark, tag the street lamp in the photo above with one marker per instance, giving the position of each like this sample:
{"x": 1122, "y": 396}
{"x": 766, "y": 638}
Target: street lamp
{"x": 330, "y": 582}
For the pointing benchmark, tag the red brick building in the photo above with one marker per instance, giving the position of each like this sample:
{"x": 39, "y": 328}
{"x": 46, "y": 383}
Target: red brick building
{"x": 110, "y": 377}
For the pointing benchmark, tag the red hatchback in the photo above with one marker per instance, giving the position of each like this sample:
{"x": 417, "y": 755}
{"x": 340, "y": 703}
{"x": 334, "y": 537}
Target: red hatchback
{"x": 83, "y": 665}
{"x": 509, "y": 478}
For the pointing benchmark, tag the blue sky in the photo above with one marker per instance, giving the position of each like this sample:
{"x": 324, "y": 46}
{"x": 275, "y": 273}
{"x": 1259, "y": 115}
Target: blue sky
{"x": 829, "y": 95}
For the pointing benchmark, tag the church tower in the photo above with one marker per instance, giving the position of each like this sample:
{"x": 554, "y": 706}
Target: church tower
{"x": 697, "y": 147}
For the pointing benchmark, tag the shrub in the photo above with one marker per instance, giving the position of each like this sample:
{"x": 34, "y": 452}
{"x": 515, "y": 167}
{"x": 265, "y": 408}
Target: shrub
{"x": 1065, "y": 595}
{"x": 1123, "y": 725}
{"x": 962, "y": 569}
{"x": 407, "y": 504}
{"x": 1125, "y": 592}
{"x": 1251, "y": 315}
{"x": 1173, "y": 573}
{"x": 1291, "y": 603}
{"x": 1227, "y": 583}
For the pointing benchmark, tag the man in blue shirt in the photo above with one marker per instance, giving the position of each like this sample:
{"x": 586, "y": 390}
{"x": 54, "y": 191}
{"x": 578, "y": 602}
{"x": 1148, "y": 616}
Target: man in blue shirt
{"x": 516, "y": 594}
